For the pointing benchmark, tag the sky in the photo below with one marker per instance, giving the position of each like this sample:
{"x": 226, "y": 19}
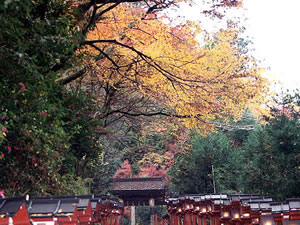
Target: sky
{"x": 273, "y": 27}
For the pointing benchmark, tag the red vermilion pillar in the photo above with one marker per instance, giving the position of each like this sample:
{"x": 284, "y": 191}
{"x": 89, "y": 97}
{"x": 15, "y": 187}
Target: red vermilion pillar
{"x": 180, "y": 220}
{"x": 118, "y": 220}
{"x": 194, "y": 219}
{"x": 187, "y": 219}
{"x": 217, "y": 219}
{"x": 112, "y": 219}
{"x": 172, "y": 218}
{"x": 198, "y": 219}
{"x": 176, "y": 219}
{"x": 212, "y": 219}
{"x": 108, "y": 220}
{"x": 204, "y": 219}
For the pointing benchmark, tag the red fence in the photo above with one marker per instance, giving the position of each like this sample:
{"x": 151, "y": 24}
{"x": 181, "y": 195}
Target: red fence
{"x": 159, "y": 221}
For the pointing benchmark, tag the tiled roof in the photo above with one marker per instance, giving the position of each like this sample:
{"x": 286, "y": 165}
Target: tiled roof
{"x": 131, "y": 184}
{"x": 10, "y": 206}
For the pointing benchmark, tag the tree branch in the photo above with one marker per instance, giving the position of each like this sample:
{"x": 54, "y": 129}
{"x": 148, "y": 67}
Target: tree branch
{"x": 172, "y": 77}
{"x": 106, "y": 55}
{"x": 92, "y": 20}
{"x": 160, "y": 113}
{"x": 71, "y": 77}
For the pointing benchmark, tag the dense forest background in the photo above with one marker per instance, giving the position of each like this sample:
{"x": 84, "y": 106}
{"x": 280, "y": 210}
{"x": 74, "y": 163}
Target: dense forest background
{"x": 92, "y": 90}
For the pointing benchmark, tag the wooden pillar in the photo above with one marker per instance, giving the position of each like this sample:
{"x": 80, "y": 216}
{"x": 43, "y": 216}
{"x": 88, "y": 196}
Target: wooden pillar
{"x": 172, "y": 218}
{"x": 107, "y": 219}
{"x": 132, "y": 215}
{"x": 152, "y": 204}
{"x": 112, "y": 219}
{"x": 194, "y": 219}
{"x": 118, "y": 217}
{"x": 198, "y": 219}
{"x": 217, "y": 218}
{"x": 180, "y": 220}
{"x": 175, "y": 219}
{"x": 187, "y": 219}
{"x": 204, "y": 219}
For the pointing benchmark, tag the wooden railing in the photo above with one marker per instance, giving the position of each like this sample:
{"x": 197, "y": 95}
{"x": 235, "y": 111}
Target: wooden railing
{"x": 159, "y": 221}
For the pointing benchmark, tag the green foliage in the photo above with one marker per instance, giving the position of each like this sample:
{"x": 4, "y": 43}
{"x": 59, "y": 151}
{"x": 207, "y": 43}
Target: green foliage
{"x": 242, "y": 128}
{"x": 49, "y": 139}
{"x": 46, "y": 141}
{"x": 272, "y": 153}
{"x": 192, "y": 172}
{"x": 263, "y": 161}
{"x": 143, "y": 214}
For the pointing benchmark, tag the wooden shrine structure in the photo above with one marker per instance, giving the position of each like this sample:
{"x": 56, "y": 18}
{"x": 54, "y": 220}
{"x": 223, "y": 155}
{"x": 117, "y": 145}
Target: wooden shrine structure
{"x": 139, "y": 191}
{"x": 208, "y": 209}
{"x": 222, "y": 209}
{"x": 61, "y": 210}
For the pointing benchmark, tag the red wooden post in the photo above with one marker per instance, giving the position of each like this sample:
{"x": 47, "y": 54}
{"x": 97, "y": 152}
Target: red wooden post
{"x": 204, "y": 218}
{"x": 118, "y": 220}
{"x": 111, "y": 216}
{"x": 172, "y": 218}
{"x": 172, "y": 209}
{"x": 194, "y": 219}
{"x": 198, "y": 219}
{"x": 176, "y": 219}
{"x": 181, "y": 220}
{"x": 107, "y": 219}
{"x": 187, "y": 219}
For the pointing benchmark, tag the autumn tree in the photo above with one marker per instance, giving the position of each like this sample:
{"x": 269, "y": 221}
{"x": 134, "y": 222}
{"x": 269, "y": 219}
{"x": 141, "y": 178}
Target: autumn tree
{"x": 139, "y": 66}
{"x": 52, "y": 127}
{"x": 163, "y": 70}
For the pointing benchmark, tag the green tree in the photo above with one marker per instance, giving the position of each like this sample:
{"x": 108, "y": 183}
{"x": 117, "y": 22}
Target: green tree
{"x": 49, "y": 136}
{"x": 272, "y": 153}
{"x": 193, "y": 172}
{"x": 51, "y": 140}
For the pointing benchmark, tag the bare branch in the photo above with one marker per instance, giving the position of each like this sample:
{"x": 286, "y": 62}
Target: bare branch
{"x": 160, "y": 113}
{"x": 72, "y": 77}
{"x": 92, "y": 20}
{"x": 172, "y": 77}
{"x": 109, "y": 8}
{"x": 106, "y": 55}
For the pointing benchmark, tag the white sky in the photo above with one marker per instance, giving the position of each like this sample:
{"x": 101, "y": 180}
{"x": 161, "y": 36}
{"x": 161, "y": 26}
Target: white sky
{"x": 274, "y": 26}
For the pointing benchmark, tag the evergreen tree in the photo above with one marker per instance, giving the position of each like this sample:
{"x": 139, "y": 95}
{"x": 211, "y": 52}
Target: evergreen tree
{"x": 272, "y": 153}
{"x": 211, "y": 160}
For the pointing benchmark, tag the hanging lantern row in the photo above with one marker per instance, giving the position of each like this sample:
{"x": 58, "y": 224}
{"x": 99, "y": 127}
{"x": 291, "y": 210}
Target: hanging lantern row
{"x": 63, "y": 210}
{"x": 220, "y": 209}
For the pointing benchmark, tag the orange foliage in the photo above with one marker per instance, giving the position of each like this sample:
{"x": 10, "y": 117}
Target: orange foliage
{"x": 124, "y": 171}
{"x": 197, "y": 81}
